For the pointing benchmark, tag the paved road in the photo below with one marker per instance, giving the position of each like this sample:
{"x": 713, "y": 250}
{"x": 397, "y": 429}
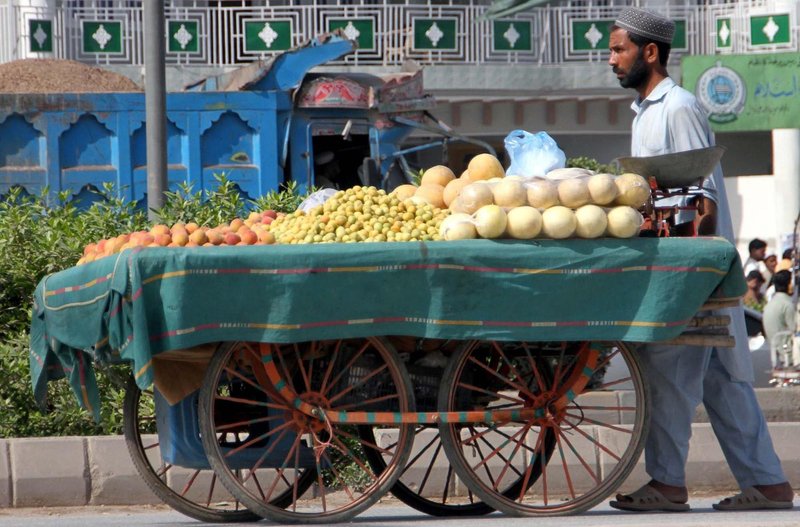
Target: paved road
{"x": 392, "y": 515}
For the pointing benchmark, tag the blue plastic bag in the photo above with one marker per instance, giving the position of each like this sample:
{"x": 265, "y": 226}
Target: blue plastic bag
{"x": 532, "y": 154}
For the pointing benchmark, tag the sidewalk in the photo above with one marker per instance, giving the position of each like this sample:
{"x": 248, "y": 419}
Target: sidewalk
{"x": 77, "y": 471}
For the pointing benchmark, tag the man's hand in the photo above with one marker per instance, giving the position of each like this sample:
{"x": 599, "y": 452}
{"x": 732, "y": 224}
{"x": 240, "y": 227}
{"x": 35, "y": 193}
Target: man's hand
{"x": 705, "y": 224}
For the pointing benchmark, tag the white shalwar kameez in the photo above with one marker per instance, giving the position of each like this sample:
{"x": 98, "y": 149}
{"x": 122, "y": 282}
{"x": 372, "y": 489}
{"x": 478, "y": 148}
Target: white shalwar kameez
{"x": 681, "y": 377}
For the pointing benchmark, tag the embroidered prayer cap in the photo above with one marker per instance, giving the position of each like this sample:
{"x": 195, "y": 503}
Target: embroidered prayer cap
{"x": 646, "y": 24}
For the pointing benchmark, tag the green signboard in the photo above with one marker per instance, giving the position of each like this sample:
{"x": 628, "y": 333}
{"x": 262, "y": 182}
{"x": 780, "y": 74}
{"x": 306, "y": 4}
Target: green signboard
{"x": 724, "y": 33}
{"x": 267, "y": 35}
{"x": 512, "y": 35}
{"x": 591, "y": 35}
{"x": 362, "y": 30}
{"x": 41, "y": 36}
{"x": 770, "y": 30}
{"x": 435, "y": 34}
{"x": 182, "y": 36}
{"x": 102, "y": 36}
{"x": 746, "y": 92}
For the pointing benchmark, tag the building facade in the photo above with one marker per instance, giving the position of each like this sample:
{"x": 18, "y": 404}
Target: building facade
{"x": 542, "y": 68}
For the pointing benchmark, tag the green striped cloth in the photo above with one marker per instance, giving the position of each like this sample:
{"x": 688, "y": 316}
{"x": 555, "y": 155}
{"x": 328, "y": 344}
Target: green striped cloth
{"x": 132, "y": 306}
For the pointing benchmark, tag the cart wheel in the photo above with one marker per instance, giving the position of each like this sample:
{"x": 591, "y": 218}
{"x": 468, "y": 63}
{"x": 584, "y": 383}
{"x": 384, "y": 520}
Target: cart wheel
{"x": 194, "y": 493}
{"x": 599, "y": 424}
{"x": 418, "y": 486}
{"x": 423, "y": 487}
{"x": 285, "y": 445}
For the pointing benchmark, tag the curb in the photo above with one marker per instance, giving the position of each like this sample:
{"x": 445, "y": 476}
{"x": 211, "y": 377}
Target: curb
{"x": 78, "y": 471}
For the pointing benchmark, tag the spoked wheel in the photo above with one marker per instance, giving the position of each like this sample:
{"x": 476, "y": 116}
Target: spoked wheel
{"x": 428, "y": 483}
{"x": 285, "y": 445}
{"x": 597, "y": 426}
{"x": 194, "y": 492}
{"x": 421, "y": 486}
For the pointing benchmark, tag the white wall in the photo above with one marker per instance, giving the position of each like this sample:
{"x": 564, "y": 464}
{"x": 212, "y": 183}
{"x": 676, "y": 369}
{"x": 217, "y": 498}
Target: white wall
{"x": 751, "y": 200}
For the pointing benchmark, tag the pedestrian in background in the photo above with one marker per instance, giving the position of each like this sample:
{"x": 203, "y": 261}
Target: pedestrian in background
{"x": 754, "y": 298}
{"x": 757, "y": 251}
{"x": 778, "y": 321}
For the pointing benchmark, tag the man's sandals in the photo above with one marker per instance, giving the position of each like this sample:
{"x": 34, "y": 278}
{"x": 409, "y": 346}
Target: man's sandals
{"x": 647, "y": 498}
{"x": 751, "y": 499}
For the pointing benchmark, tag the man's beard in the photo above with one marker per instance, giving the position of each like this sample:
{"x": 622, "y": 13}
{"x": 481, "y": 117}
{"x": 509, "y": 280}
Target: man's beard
{"x": 638, "y": 73}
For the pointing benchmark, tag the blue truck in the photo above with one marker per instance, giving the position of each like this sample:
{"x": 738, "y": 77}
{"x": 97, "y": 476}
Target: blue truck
{"x": 262, "y": 125}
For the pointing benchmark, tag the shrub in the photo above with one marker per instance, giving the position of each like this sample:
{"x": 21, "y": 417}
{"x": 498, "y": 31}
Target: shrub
{"x": 22, "y": 418}
{"x": 40, "y": 235}
{"x": 287, "y": 199}
{"x": 211, "y": 207}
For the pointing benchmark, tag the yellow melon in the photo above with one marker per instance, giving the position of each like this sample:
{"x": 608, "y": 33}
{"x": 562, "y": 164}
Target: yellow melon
{"x": 452, "y": 190}
{"x": 437, "y": 175}
{"x": 404, "y": 192}
{"x": 433, "y": 194}
{"x": 485, "y": 166}
{"x": 476, "y": 195}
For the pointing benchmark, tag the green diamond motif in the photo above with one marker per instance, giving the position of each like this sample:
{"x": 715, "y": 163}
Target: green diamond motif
{"x": 591, "y": 35}
{"x": 267, "y": 35}
{"x": 724, "y": 33}
{"x": 362, "y": 30}
{"x": 434, "y": 34}
{"x": 102, "y": 36}
{"x": 679, "y": 39}
{"x": 512, "y": 35}
{"x": 41, "y": 36}
{"x": 182, "y": 36}
{"x": 769, "y": 30}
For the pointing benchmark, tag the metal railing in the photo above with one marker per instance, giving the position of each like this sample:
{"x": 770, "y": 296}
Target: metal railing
{"x": 221, "y": 39}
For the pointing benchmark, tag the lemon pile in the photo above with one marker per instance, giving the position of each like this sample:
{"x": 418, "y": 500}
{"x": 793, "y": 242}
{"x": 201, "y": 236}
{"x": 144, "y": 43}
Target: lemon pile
{"x": 361, "y": 214}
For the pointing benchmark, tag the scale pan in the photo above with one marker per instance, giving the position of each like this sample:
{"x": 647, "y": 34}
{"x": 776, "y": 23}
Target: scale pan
{"x": 679, "y": 169}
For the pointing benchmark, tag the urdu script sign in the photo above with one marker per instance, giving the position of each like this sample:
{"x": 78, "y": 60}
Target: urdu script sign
{"x": 746, "y": 92}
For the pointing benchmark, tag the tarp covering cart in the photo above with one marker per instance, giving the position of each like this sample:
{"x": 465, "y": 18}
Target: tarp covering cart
{"x": 312, "y": 379}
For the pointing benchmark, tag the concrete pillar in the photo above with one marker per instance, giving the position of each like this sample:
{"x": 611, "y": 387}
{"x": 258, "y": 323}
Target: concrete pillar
{"x": 786, "y": 167}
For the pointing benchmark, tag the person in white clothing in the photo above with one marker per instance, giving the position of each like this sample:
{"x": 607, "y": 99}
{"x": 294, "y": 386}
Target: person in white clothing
{"x": 779, "y": 320}
{"x": 669, "y": 119}
{"x": 756, "y": 254}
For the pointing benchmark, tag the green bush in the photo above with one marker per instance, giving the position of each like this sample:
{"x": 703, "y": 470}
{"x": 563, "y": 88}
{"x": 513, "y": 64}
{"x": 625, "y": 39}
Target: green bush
{"x": 41, "y": 235}
{"x": 38, "y": 237}
{"x": 287, "y": 199}
{"x": 22, "y": 418}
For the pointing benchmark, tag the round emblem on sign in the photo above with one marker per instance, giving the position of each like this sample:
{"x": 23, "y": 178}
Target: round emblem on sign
{"x": 721, "y": 91}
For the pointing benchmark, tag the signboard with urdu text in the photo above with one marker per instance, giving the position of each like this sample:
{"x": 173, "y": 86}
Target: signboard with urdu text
{"x": 746, "y": 92}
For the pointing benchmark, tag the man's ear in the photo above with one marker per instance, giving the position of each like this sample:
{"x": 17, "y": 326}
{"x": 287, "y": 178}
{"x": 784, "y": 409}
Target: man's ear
{"x": 650, "y": 53}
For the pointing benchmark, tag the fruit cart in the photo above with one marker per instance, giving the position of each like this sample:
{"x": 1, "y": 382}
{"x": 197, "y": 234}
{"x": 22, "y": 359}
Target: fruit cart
{"x": 313, "y": 379}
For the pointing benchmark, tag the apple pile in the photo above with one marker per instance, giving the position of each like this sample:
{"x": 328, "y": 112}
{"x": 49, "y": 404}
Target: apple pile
{"x": 252, "y": 231}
